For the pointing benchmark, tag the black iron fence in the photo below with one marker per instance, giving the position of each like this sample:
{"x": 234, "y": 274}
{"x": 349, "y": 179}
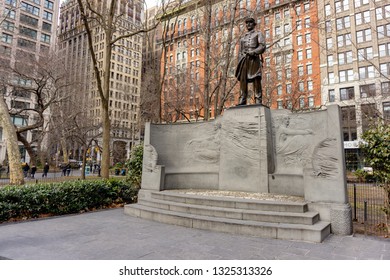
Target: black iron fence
{"x": 368, "y": 202}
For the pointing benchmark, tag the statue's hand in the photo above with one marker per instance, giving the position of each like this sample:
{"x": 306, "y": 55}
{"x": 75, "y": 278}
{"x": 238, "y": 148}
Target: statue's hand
{"x": 251, "y": 53}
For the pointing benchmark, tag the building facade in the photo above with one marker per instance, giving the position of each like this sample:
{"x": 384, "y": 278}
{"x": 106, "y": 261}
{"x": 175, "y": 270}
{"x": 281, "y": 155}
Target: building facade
{"x": 201, "y": 45}
{"x": 125, "y": 73}
{"x": 28, "y": 33}
{"x": 355, "y": 65}
{"x": 319, "y": 52}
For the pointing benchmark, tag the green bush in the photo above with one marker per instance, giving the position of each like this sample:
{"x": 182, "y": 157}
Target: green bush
{"x": 134, "y": 165}
{"x": 31, "y": 201}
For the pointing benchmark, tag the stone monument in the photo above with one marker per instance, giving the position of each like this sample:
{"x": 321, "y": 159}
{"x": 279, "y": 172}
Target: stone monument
{"x": 258, "y": 150}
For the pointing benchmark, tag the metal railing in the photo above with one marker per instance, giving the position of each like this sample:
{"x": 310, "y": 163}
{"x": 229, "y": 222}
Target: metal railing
{"x": 368, "y": 201}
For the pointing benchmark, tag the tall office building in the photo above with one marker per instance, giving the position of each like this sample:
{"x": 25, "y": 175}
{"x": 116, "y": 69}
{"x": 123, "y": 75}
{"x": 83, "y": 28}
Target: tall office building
{"x": 125, "y": 74}
{"x": 28, "y": 30}
{"x": 355, "y": 65}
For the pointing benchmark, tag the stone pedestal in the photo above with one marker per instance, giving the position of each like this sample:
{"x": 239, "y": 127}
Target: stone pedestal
{"x": 246, "y": 156}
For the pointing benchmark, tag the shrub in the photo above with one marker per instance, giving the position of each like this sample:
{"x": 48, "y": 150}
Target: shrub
{"x": 31, "y": 201}
{"x": 135, "y": 165}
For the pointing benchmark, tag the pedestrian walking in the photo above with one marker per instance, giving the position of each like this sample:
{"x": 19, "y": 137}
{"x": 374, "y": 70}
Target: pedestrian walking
{"x": 33, "y": 170}
{"x": 45, "y": 170}
{"x": 26, "y": 168}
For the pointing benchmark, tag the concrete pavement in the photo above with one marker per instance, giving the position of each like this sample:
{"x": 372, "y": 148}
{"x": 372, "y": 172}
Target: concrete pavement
{"x": 112, "y": 235}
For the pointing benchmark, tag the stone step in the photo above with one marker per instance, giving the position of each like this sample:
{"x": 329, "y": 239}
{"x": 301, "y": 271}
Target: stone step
{"x": 232, "y": 202}
{"x": 312, "y": 233}
{"x": 307, "y": 218}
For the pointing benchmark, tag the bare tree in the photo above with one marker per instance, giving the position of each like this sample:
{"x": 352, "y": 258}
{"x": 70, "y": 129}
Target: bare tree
{"x": 106, "y": 16}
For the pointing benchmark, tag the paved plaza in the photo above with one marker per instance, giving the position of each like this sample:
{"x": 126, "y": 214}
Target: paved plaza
{"x": 112, "y": 235}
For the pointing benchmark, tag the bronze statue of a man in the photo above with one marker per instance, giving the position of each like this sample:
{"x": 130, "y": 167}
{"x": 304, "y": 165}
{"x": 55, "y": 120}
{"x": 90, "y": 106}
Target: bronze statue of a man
{"x": 250, "y": 62}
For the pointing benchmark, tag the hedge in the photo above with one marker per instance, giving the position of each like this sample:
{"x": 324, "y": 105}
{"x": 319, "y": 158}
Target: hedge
{"x": 31, "y": 201}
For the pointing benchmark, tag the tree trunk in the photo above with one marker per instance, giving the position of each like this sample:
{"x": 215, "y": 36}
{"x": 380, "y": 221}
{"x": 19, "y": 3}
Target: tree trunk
{"x": 207, "y": 61}
{"x": 29, "y": 148}
{"x": 16, "y": 174}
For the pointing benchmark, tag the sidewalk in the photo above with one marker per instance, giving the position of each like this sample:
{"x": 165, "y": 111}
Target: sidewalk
{"x": 111, "y": 235}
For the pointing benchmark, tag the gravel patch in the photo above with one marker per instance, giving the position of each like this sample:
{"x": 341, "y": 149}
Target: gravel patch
{"x": 247, "y": 195}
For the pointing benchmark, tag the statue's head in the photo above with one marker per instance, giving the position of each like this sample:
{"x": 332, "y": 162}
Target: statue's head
{"x": 250, "y": 20}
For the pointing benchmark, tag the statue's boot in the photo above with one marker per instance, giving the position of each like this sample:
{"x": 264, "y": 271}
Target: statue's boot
{"x": 258, "y": 98}
{"x": 242, "y": 100}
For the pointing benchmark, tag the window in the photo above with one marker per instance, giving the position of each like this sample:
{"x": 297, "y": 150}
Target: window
{"x": 266, "y": 20}
{"x": 311, "y": 101}
{"x": 359, "y": 3}
{"x": 48, "y": 5}
{"x": 386, "y": 111}
{"x": 299, "y": 40}
{"x": 363, "y": 17}
{"x": 308, "y": 38}
{"x": 366, "y": 54}
{"x": 26, "y": 44}
{"x": 30, "y": 8}
{"x": 306, "y": 7}
{"x": 46, "y": 26}
{"x": 382, "y": 12}
{"x": 299, "y": 24}
{"x": 329, "y": 43}
{"x": 28, "y": 32}
{"x": 298, "y": 10}
{"x": 288, "y": 88}
{"x": 363, "y": 35}
{"x": 309, "y": 69}
{"x": 344, "y": 40}
{"x": 330, "y": 60}
{"x": 342, "y": 23}
{"x": 366, "y": 72}
{"x": 288, "y": 73}
{"x": 331, "y": 95}
{"x": 301, "y": 86}
{"x": 9, "y": 13}
{"x": 346, "y": 75}
{"x": 287, "y": 28}
{"x": 331, "y": 78}
{"x": 341, "y": 6}
{"x": 328, "y": 26}
{"x": 308, "y": 54}
{"x": 307, "y": 22}
{"x": 278, "y": 31}
{"x": 279, "y": 75}
{"x": 301, "y": 102}
{"x": 383, "y": 31}
{"x": 328, "y": 11}
{"x": 348, "y": 116}
{"x": 384, "y": 50}
{"x": 300, "y": 55}
{"x": 347, "y": 93}
{"x": 13, "y": 4}
{"x": 6, "y": 25}
{"x": 300, "y": 71}
{"x": 369, "y": 115}
{"x": 6, "y": 38}
{"x": 367, "y": 91}
{"x": 385, "y": 69}
{"x": 279, "y": 90}
{"x": 309, "y": 85}
{"x": 344, "y": 58}
{"x": 48, "y": 16}
{"x": 279, "y": 104}
{"x": 385, "y": 88}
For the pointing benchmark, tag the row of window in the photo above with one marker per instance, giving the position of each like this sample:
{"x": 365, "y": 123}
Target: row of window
{"x": 363, "y": 54}
{"x": 366, "y": 91}
{"x": 360, "y": 18}
{"x": 8, "y": 38}
{"x": 301, "y": 101}
{"x": 344, "y": 40}
{"x": 365, "y": 72}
